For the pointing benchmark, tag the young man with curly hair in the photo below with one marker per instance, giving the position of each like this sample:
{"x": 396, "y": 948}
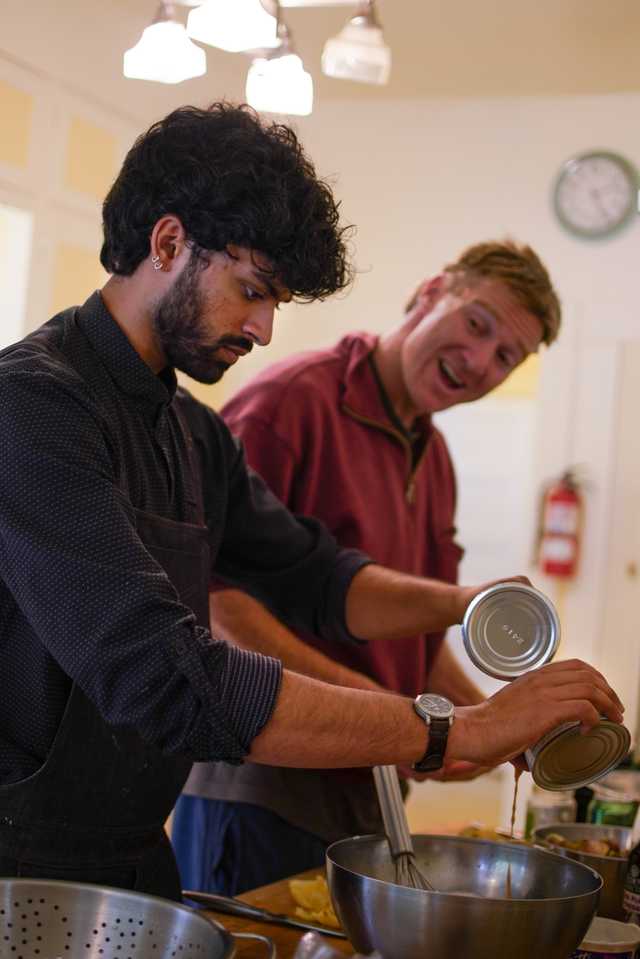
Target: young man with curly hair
{"x": 120, "y": 495}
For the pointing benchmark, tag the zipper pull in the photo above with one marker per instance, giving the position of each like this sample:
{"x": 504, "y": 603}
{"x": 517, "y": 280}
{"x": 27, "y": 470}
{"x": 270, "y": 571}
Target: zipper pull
{"x": 411, "y": 491}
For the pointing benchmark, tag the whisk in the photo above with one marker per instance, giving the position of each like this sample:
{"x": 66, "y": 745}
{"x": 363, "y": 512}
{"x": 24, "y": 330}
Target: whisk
{"x": 397, "y": 829}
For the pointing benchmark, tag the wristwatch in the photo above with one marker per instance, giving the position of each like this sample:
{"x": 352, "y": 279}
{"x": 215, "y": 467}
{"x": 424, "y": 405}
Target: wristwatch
{"x": 438, "y": 714}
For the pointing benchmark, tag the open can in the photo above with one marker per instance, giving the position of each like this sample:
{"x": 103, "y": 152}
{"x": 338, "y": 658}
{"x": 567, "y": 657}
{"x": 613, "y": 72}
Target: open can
{"x": 510, "y": 629}
{"x": 567, "y": 759}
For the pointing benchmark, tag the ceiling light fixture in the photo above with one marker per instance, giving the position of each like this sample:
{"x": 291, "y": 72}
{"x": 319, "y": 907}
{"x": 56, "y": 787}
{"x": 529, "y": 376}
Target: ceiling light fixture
{"x": 316, "y": 3}
{"x": 359, "y": 51}
{"x": 234, "y": 25}
{"x": 277, "y": 82}
{"x": 164, "y": 53}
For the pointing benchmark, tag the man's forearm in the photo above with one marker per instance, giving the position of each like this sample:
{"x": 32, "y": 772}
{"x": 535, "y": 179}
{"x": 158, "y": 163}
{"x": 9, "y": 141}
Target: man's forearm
{"x": 243, "y": 621}
{"x": 320, "y": 726}
{"x": 317, "y": 725}
{"x": 384, "y": 604}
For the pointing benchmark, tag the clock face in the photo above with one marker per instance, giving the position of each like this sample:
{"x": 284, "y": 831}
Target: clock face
{"x": 595, "y": 194}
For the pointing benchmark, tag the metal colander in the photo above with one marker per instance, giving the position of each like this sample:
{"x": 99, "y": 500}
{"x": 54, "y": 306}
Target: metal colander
{"x": 50, "y": 919}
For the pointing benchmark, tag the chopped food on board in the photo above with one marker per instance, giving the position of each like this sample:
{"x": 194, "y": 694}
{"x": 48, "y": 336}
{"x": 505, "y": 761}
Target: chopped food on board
{"x": 313, "y": 901}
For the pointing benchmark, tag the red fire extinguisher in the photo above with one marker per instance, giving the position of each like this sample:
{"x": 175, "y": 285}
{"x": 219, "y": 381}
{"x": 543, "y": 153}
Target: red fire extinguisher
{"x": 561, "y": 526}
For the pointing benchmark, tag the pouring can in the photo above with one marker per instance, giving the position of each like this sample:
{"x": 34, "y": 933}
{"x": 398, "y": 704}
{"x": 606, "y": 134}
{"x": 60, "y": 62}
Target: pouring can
{"x": 510, "y": 629}
{"x": 567, "y": 758}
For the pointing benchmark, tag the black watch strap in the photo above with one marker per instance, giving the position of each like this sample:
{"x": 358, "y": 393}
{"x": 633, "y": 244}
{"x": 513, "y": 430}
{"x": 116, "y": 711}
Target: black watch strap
{"x": 433, "y": 759}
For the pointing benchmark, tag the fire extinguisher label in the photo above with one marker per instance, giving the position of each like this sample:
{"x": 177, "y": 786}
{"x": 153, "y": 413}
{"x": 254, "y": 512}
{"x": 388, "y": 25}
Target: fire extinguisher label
{"x": 561, "y": 518}
{"x": 556, "y": 549}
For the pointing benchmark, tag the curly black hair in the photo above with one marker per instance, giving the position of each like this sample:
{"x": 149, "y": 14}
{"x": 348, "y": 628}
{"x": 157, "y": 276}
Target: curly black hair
{"x": 231, "y": 178}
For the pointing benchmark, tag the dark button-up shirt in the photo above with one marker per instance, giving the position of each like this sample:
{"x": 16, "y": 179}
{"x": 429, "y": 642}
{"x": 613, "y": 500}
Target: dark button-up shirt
{"x": 88, "y": 435}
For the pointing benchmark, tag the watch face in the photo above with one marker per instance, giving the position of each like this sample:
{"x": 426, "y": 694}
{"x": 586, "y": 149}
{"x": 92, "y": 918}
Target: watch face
{"x": 595, "y": 194}
{"x": 435, "y": 706}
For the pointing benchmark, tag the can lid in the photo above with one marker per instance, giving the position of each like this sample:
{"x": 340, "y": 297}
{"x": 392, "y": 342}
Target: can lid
{"x": 509, "y": 629}
{"x": 567, "y": 759}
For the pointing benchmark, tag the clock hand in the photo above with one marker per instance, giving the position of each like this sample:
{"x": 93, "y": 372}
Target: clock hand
{"x": 595, "y": 195}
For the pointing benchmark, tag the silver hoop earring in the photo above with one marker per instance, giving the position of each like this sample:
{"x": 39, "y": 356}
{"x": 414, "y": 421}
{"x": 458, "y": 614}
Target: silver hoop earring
{"x": 157, "y": 264}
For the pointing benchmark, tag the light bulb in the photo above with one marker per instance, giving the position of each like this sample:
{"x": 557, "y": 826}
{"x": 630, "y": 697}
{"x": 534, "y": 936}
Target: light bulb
{"x": 233, "y": 25}
{"x": 280, "y": 85}
{"x": 359, "y": 51}
{"x": 165, "y": 54}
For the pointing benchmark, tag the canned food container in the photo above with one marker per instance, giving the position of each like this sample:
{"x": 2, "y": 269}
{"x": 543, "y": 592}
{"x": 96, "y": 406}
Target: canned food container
{"x": 509, "y": 629}
{"x": 566, "y": 758}
{"x": 609, "y": 939}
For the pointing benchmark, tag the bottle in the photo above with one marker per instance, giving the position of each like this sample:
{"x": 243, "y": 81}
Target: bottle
{"x": 611, "y": 808}
{"x": 631, "y": 894}
{"x": 583, "y": 797}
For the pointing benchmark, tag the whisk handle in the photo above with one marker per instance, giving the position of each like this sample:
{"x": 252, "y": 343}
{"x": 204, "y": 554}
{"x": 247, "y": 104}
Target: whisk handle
{"x": 392, "y": 809}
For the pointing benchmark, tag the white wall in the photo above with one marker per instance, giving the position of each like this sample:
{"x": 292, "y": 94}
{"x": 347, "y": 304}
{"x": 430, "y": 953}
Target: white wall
{"x": 15, "y": 260}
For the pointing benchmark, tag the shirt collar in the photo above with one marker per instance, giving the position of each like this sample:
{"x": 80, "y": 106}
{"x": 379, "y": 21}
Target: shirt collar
{"x": 364, "y": 393}
{"x": 124, "y": 364}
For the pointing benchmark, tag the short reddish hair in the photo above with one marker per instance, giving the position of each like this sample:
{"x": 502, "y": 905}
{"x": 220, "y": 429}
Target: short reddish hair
{"x": 522, "y": 272}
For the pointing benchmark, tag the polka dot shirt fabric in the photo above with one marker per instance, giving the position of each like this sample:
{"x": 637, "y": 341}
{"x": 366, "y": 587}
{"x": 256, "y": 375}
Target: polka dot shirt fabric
{"x": 88, "y": 436}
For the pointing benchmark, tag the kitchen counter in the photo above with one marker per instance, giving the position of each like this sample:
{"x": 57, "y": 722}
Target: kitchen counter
{"x": 276, "y": 898}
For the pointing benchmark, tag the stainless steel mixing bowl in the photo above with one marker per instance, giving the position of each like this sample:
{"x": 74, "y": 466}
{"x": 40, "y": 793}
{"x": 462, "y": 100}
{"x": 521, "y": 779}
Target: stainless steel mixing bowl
{"x": 613, "y": 869}
{"x": 553, "y": 900}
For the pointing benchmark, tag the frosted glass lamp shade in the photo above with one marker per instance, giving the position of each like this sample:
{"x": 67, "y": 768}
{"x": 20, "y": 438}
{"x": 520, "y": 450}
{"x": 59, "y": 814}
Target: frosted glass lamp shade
{"x": 280, "y": 85}
{"x": 233, "y": 25}
{"x": 165, "y": 54}
{"x": 358, "y": 53}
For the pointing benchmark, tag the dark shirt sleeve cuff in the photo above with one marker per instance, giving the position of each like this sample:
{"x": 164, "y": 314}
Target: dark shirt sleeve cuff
{"x": 250, "y": 692}
{"x": 236, "y": 691}
{"x": 331, "y": 618}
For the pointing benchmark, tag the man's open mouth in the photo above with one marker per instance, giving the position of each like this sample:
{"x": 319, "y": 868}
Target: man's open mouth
{"x": 449, "y": 376}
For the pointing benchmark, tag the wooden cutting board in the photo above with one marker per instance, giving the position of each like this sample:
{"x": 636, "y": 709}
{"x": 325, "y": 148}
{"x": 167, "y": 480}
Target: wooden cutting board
{"x": 276, "y": 898}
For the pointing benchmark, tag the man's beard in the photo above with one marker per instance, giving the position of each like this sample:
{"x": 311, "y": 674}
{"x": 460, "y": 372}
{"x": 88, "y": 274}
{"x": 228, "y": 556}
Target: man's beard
{"x": 180, "y": 331}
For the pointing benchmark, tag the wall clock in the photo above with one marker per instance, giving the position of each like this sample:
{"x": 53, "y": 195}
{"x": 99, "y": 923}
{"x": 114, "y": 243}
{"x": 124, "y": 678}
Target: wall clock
{"x": 595, "y": 194}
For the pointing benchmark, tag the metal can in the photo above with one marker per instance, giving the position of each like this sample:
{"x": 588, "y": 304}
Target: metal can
{"x": 509, "y": 629}
{"x": 566, "y": 758}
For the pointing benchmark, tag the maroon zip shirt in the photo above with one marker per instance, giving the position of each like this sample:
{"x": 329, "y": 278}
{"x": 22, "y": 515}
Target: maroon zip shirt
{"x": 319, "y": 429}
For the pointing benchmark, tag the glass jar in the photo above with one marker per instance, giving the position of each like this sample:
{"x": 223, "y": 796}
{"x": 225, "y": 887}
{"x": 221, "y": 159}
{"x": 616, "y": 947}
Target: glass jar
{"x": 547, "y": 808}
{"x": 609, "y": 808}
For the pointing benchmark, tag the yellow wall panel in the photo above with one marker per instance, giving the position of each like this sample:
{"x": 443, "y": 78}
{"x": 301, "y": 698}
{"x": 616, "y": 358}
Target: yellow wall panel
{"x": 91, "y": 158}
{"x": 523, "y": 381}
{"x": 77, "y": 273}
{"x": 16, "y": 108}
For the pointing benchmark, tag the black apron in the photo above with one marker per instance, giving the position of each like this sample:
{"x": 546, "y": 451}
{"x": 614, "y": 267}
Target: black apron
{"x": 95, "y": 810}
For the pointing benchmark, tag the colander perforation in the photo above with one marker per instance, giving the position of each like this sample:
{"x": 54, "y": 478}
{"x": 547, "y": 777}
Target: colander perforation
{"x": 61, "y": 920}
